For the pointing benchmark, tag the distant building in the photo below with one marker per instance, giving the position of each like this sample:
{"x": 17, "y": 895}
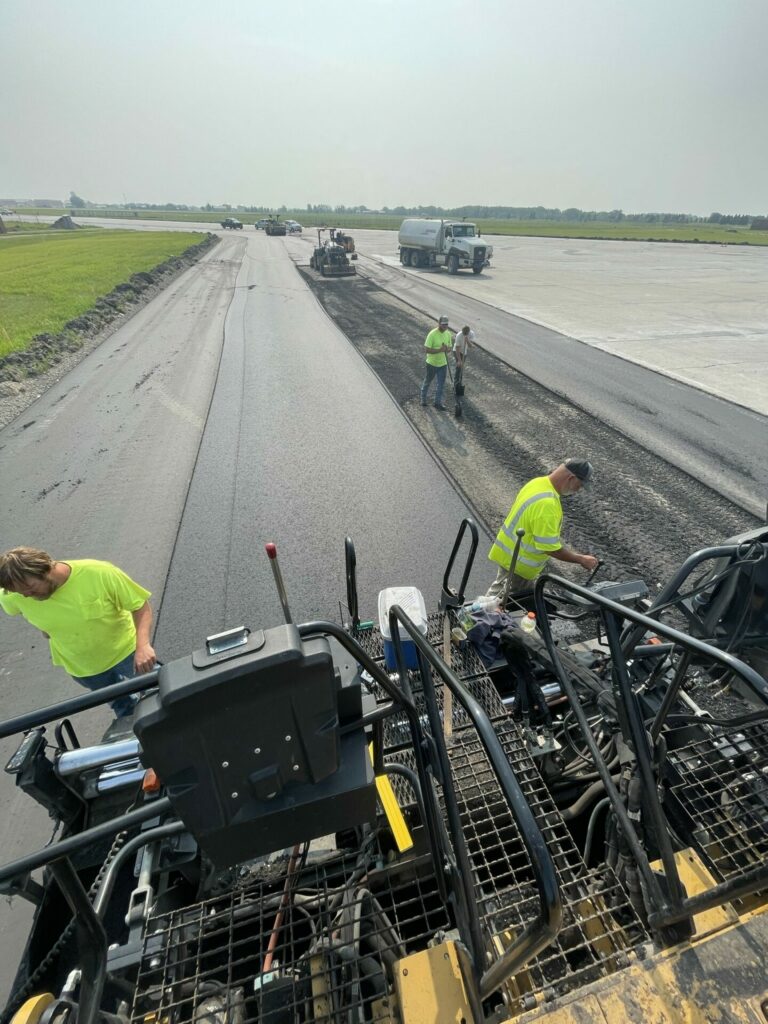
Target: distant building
{"x": 49, "y": 204}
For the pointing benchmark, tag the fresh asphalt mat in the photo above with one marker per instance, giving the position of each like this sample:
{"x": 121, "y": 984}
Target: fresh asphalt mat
{"x": 641, "y": 515}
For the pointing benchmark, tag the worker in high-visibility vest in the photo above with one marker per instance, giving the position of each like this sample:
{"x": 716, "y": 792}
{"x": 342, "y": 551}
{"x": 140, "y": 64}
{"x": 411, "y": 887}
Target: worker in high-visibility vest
{"x": 538, "y": 511}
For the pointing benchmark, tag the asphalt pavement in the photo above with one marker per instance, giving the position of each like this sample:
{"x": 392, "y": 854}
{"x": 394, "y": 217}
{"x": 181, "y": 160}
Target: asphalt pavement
{"x": 302, "y": 448}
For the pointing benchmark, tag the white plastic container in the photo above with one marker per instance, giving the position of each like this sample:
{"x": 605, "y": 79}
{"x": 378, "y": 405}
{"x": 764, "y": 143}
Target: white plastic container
{"x": 411, "y": 601}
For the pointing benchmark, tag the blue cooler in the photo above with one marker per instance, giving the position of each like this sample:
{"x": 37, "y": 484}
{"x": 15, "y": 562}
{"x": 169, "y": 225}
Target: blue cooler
{"x": 411, "y": 601}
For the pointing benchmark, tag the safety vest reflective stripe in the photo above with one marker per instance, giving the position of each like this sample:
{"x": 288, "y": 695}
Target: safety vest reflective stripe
{"x": 529, "y": 561}
{"x": 530, "y": 548}
{"x": 523, "y": 547}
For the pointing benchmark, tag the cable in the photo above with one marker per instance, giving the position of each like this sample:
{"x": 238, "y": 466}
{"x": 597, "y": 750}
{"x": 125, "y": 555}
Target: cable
{"x": 569, "y": 813}
{"x": 722, "y": 723}
{"x": 592, "y": 825}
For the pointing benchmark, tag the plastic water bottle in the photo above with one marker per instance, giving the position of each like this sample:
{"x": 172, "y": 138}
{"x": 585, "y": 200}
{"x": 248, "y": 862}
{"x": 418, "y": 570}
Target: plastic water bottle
{"x": 484, "y": 603}
{"x": 528, "y": 622}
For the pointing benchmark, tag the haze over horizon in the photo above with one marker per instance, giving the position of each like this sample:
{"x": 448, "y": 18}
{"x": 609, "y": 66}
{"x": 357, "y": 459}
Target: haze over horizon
{"x": 591, "y": 104}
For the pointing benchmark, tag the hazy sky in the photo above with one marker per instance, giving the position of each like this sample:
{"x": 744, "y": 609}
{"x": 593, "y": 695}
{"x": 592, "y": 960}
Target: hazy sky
{"x": 644, "y": 105}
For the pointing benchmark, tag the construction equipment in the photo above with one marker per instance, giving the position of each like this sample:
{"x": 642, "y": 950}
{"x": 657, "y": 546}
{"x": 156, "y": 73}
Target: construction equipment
{"x": 331, "y": 258}
{"x": 596, "y": 852}
{"x": 275, "y": 226}
{"x": 346, "y": 242}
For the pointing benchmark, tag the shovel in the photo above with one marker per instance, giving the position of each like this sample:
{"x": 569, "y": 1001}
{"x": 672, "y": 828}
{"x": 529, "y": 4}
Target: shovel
{"x": 458, "y": 391}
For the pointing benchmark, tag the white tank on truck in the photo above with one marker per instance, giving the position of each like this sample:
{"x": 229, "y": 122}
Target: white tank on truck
{"x": 455, "y": 244}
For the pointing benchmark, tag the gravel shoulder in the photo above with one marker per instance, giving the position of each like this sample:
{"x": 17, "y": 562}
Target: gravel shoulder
{"x": 642, "y": 516}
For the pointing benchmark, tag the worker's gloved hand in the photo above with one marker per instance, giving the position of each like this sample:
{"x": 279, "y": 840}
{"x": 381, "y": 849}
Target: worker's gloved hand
{"x": 144, "y": 659}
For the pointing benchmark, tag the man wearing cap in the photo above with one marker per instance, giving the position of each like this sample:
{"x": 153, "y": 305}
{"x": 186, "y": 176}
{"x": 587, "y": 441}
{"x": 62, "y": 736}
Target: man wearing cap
{"x": 537, "y": 511}
{"x": 437, "y": 343}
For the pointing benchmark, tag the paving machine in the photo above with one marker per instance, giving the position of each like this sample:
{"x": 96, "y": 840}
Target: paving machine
{"x": 330, "y": 257}
{"x": 459, "y": 816}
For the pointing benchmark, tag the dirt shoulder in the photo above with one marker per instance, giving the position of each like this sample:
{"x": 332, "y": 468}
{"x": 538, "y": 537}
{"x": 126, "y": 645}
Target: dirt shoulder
{"x": 642, "y": 516}
{"x": 24, "y": 376}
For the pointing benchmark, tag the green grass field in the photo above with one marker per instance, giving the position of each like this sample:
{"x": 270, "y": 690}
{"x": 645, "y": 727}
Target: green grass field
{"x": 626, "y": 230}
{"x": 47, "y": 279}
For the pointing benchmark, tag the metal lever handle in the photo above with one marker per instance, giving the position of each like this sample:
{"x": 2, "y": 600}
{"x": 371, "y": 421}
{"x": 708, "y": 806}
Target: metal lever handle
{"x": 595, "y": 571}
{"x": 271, "y": 550}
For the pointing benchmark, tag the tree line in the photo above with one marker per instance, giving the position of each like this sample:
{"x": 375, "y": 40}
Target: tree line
{"x": 571, "y": 214}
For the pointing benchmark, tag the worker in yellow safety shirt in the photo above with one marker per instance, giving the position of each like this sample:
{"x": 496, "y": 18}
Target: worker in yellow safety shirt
{"x": 538, "y": 511}
{"x": 436, "y": 345}
{"x": 96, "y": 618}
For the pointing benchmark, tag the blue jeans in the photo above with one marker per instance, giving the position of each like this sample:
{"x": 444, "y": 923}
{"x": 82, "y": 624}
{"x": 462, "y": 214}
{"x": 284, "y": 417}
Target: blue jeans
{"x": 124, "y": 669}
{"x": 432, "y": 372}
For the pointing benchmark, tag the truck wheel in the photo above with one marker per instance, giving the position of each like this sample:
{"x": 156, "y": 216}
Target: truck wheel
{"x": 415, "y": 259}
{"x": 405, "y": 257}
{"x": 453, "y": 264}
{"x": 477, "y": 270}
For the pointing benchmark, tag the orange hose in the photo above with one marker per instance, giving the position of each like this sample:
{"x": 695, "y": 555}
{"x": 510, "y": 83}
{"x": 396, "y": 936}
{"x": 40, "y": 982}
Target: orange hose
{"x": 281, "y": 909}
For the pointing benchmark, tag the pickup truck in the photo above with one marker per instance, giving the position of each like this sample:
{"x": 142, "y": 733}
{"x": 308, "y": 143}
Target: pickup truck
{"x": 231, "y": 222}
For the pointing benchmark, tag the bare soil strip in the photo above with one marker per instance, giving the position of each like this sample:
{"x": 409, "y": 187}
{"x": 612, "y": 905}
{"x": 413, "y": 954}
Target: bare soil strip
{"x": 641, "y": 515}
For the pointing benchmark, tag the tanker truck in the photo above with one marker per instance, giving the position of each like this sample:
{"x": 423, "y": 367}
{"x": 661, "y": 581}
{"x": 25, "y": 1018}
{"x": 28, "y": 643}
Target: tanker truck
{"x": 443, "y": 243}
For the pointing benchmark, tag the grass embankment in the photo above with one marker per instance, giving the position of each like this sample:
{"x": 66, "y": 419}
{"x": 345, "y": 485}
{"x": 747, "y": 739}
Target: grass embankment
{"x": 623, "y": 231}
{"x": 47, "y": 280}
{"x": 24, "y": 227}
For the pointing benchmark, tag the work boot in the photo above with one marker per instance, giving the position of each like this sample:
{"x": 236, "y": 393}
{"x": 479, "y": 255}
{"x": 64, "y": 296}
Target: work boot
{"x": 440, "y": 406}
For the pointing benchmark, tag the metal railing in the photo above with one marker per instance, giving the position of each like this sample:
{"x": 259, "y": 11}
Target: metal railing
{"x": 666, "y": 908}
{"x": 451, "y": 863}
{"x": 540, "y": 932}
